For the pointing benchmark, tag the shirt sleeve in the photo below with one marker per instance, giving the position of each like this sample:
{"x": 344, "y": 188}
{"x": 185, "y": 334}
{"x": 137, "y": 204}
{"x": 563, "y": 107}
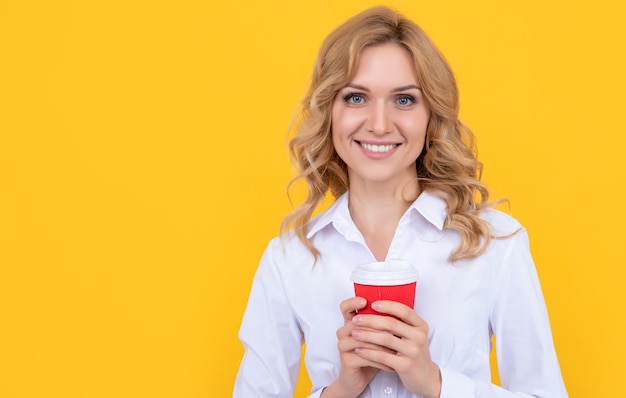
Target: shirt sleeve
{"x": 527, "y": 360}
{"x": 270, "y": 335}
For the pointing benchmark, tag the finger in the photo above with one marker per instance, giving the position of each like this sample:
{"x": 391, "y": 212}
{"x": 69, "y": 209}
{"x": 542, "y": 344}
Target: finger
{"x": 358, "y": 337}
{"x": 350, "y": 306}
{"x": 380, "y": 323}
{"x": 400, "y": 311}
{"x": 398, "y": 362}
{"x": 347, "y": 348}
{"x": 390, "y": 343}
{"x": 350, "y": 344}
{"x": 374, "y": 358}
{"x": 389, "y": 325}
{"x": 354, "y": 360}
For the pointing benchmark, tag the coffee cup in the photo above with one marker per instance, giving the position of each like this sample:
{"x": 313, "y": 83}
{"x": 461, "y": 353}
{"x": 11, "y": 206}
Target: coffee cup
{"x": 393, "y": 280}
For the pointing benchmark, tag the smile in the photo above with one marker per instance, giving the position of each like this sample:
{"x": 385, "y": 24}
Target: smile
{"x": 378, "y": 148}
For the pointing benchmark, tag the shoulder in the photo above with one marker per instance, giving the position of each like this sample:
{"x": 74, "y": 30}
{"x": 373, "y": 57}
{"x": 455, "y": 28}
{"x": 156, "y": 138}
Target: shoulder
{"x": 285, "y": 250}
{"x": 500, "y": 222}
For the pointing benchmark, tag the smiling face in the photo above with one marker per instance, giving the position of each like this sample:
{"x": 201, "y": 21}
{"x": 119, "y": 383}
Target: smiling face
{"x": 379, "y": 118}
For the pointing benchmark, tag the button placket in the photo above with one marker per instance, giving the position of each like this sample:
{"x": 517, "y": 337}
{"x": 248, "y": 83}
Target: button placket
{"x": 399, "y": 240}
{"x": 389, "y": 384}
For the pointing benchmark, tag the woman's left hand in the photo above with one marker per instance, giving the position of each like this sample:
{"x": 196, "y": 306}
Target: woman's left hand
{"x": 406, "y": 337}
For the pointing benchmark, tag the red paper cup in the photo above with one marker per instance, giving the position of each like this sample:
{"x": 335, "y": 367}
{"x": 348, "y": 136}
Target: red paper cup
{"x": 391, "y": 280}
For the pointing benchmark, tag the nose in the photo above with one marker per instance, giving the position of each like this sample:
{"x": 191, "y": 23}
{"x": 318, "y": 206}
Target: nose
{"x": 379, "y": 121}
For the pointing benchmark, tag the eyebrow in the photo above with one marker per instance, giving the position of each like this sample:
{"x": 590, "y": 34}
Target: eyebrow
{"x": 395, "y": 90}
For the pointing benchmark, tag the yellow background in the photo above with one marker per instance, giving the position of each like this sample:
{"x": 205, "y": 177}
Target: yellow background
{"x": 143, "y": 170}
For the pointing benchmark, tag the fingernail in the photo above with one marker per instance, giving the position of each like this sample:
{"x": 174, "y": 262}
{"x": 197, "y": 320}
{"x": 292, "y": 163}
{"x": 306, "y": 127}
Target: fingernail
{"x": 377, "y": 305}
{"x": 360, "y": 301}
{"x": 357, "y": 319}
{"x": 356, "y": 333}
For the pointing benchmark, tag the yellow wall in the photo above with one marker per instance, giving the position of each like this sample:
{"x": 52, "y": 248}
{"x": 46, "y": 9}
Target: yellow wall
{"x": 143, "y": 170}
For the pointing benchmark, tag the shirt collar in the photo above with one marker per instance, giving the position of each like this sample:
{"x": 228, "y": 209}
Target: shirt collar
{"x": 431, "y": 207}
{"x": 337, "y": 212}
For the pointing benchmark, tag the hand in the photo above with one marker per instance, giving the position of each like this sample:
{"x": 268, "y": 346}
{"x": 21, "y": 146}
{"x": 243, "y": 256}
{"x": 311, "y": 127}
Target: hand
{"x": 405, "y": 342}
{"x": 355, "y": 372}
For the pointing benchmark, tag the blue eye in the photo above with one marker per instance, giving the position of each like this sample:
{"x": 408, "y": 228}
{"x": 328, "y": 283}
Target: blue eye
{"x": 405, "y": 100}
{"x": 354, "y": 99}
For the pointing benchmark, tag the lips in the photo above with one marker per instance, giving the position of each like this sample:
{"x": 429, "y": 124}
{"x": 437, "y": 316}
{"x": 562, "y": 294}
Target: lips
{"x": 377, "y": 148}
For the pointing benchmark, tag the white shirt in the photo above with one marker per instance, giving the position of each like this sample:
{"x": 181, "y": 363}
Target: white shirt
{"x": 464, "y": 303}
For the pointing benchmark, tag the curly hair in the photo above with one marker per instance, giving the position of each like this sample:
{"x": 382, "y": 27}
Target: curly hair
{"x": 447, "y": 165}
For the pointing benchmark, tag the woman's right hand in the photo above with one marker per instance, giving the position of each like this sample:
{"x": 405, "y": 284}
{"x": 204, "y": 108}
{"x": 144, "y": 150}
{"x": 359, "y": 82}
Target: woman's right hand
{"x": 355, "y": 372}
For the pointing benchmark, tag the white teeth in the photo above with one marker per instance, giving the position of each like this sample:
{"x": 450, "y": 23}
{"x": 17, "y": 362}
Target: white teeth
{"x": 378, "y": 148}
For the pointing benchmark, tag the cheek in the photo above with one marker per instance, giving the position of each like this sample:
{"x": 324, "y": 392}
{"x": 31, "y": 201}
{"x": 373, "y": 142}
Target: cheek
{"x": 334, "y": 125}
{"x": 338, "y": 120}
{"x": 417, "y": 124}
{"x": 335, "y": 131}
{"x": 346, "y": 122}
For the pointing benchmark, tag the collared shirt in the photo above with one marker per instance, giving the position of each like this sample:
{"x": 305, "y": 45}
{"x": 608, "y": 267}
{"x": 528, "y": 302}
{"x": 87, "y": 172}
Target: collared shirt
{"x": 293, "y": 301}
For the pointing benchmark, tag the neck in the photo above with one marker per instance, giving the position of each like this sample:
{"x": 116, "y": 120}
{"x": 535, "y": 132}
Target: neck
{"x": 376, "y": 210}
{"x": 372, "y": 202}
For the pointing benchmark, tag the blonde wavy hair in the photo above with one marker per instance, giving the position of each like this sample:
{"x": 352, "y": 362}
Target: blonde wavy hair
{"x": 447, "y": 165}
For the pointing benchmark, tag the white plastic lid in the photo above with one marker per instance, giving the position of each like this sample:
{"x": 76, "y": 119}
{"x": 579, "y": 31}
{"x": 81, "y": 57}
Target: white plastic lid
{"x": 385, "y": 273}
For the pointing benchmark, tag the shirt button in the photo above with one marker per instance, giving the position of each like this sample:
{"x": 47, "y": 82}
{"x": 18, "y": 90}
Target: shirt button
{"x": 388, "y": 390}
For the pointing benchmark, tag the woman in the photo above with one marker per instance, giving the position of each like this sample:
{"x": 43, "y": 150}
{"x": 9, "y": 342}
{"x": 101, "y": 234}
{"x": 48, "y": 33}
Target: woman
{"x": 380, "y": 132}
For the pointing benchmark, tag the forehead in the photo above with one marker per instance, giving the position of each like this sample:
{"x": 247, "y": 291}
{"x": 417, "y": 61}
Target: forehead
{"x": 386, "y": 63}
